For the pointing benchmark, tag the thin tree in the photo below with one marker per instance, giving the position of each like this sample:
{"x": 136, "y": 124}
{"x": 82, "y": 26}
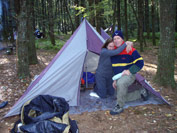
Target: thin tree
{"x": 64, "y": 18}
{"x": 126, "y": 20}
{"x": 153, "y": 22}
{"x": 157, "y": 16}
{"x": 61, "y": 18}
{"x": 114, "y": 5}
{"x": 36, "y": 14}
{"x": 76, "y": 2}
{"x": 176, "y": 17}
{"x": 83, "y": 4}
{"x": 140, "y": 22}
{"x": 92, "y": 12}
{"x": 166, "y": 54}
{"x": 118, "y": 14}
{"x": 30, "y": 36}
{"x": 43, "y": 2}
{"x": 11, "y": 20}
{"x": 67, "y": 10}
{"x": 147, "y": 28}
{"x": 22, "y": 41}
{"x": 51, "y": 22}
{"x": 98, "y": 16}
{"x": 140, "y": 15}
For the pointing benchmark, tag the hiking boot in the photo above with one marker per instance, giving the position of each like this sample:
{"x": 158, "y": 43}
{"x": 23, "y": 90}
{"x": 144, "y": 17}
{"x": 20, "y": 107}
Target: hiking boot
{"x": 144, "y": 94}
{"x": 117, "y": 110}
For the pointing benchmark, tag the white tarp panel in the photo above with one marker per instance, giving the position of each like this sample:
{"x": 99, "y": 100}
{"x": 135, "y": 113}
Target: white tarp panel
{"x": 91, "y": 62}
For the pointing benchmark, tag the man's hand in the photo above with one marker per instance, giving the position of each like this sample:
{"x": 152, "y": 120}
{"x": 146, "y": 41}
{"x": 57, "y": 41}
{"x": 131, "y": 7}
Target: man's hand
{"x": 114, "y": 84}
{"x": 129, "y": 46}
{"x": 126, "y": 72}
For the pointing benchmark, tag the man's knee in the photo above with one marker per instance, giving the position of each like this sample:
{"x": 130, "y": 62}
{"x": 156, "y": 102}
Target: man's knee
{"x": 121, "y": 83}
{"x": 125, "y": 81}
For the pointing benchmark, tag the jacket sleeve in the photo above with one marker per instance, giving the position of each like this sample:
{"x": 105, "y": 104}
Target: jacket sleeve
{"x": 114, "y": 52}
{"x": 138, "y": 63}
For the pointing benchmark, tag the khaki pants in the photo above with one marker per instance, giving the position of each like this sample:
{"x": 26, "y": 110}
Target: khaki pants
{"x": 122, "y": 90}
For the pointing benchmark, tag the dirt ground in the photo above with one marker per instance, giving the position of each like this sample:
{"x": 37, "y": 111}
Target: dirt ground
{"x": 140, "y": 119}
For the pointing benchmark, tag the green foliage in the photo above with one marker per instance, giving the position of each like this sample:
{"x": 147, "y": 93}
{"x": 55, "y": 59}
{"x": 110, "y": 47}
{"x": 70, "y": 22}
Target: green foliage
{"x": 80, "y": 9}
{"x": 46, "y": 44}
{"x": 176, "y": 39}
{"x": 106, "y": 6}
{"x": 157, "y": 35}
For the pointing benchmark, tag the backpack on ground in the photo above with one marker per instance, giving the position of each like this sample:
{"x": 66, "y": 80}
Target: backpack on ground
{"x": 45, "y": 114}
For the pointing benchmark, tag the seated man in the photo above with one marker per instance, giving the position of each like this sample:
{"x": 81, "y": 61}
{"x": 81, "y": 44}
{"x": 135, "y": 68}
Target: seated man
{"x": 128, "y": 64}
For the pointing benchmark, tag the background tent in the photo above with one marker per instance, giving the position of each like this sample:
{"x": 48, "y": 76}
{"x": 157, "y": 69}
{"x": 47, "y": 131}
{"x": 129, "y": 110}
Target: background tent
{"x": 62, "y": 76}
{"x": 104, "y": 34}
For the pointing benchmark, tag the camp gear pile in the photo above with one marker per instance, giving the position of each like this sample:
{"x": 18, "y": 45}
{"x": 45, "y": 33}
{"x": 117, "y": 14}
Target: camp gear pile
{"x": 46, "y": 114}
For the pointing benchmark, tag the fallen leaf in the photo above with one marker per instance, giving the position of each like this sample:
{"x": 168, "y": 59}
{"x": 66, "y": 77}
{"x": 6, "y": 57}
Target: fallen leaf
{"x": 154, "y": 121}
{"x": 168, "y": 115}
{"x": 153, "y": 112}
{"x": 106, "y": 113}
{"x": 144, "y": 108}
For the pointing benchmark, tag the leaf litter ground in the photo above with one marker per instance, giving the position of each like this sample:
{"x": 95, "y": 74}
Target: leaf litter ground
{"x": 146, "y": 118}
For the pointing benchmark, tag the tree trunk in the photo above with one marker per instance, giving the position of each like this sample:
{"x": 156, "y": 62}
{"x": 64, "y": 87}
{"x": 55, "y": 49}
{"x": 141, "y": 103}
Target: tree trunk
{"x": 22, "y": 42}
{"x": 17, "y": 7}
{"x": 126, "y": 25}
{"x": 36, "y": 13}
{"x": 67, "y": 10}
{"x": 62, "y": 14}
{"x": 147, "y": 18}
{"x": 77, "y": 20}
{"x": 31, "y": 46}
{"x": 153, "y": 23}
{"x": 43, "y": 16}
{"x": 114, "y": 15}
{"x": 83, "y": 4}
{"x": 140, "y": 14}
{"x": 130, "y": 18}
{"x": 64, "y": 18}
{"x": 51, "y": 22}
{"x": 176, "y": 16}
{"x": 138, "y": 30}
{"x": 139, "y": 21}
{"x": 157, "y": 28}
{"x": 98, "y": 17}
{"x": 11, "y": 20}
{"x": 166, "y": 55}
{"x": 118, "y": 15}
{"x": 92, "y": 13}
{"x": 33, "y": 14}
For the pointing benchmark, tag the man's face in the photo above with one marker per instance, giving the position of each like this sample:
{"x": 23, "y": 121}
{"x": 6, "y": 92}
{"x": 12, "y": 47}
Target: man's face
{"x": 117, "y": 41}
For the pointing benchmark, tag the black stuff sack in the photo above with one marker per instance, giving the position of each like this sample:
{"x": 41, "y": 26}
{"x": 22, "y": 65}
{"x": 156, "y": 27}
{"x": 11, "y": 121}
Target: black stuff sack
{"x": 45, "y": 114}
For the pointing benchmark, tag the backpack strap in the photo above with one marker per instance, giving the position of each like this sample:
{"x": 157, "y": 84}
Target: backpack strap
{"x": 14, "y": 129}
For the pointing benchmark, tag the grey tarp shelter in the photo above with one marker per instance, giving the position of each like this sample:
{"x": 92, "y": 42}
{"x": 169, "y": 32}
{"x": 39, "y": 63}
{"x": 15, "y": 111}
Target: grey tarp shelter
{"x": 62, "y": 76}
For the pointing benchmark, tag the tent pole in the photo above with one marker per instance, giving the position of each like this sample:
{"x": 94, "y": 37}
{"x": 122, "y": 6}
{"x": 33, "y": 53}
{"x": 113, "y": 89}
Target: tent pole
{"x": 86, "y": 77}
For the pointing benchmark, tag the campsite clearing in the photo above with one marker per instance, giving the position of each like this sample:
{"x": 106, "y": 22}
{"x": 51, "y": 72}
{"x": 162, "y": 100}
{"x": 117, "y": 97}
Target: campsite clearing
{"x": 148, "y": 118}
